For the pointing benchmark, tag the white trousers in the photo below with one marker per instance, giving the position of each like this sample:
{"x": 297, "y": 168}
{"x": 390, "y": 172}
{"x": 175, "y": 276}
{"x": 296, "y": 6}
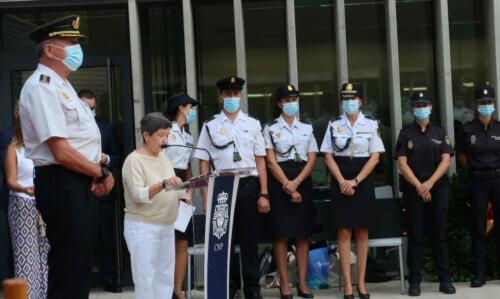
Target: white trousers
{"x": 152, "y": 258}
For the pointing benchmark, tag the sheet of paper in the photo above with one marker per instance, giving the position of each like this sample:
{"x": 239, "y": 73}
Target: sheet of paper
{"x": 185, "y": 213}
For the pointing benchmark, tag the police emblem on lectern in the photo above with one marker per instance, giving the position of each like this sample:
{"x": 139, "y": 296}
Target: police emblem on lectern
{"x": 221, "y": 216}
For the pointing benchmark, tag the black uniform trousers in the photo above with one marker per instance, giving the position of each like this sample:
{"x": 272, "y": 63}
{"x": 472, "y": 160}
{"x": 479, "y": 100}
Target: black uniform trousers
{"x": 107, "y": 242}
{"x": 428, "y": 217}
{"x": 69, "y": 209}
{"x": 482, "y": 192}
{"x": 247, "y": 227}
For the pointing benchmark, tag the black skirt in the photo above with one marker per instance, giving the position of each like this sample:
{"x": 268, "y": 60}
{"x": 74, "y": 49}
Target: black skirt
{"x": 357, "y": 211}
{"x": 287, "y": 219}
{"x": 188, "y": 234}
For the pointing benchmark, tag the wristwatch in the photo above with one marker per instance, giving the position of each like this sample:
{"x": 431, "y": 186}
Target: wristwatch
{"x": 104, "y": 173}
{"x": 356, "y": 181}
{"x": 265, "y": 195}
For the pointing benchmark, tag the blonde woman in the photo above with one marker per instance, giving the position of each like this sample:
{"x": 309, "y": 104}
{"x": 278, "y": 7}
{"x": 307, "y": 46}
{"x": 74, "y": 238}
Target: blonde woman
{"x": 30, "y": 246}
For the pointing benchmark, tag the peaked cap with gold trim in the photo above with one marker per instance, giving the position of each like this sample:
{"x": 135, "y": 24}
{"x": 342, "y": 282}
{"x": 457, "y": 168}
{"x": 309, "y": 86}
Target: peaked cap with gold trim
{"x": 64, "y": 27}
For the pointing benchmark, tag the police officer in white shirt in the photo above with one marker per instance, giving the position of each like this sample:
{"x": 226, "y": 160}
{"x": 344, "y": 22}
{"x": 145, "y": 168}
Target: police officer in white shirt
{"x": 352, "y": 148}
{"x": 63, "y": 140}
{"x": 291, "y": 157}
{"x": 235, "y": 140}
{"x": 179, "y": 109}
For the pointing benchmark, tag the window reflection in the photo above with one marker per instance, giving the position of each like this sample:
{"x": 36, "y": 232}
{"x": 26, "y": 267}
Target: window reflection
{"x": 416, "y": 53}
{"x": 266, "y": 54}
{"x": 215, "y": 50}
{"x": 469, "y": 59}
{"x": 163, "y": 52}
{"x": 316, "y": 57}
{"x": 367, "y": 63}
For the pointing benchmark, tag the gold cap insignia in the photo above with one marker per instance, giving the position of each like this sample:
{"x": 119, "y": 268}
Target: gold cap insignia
{"x": 348, "y": 87}
{"x": 290, "y": 88}
{"x": 232, "y": 80}
{"x": 485, "y": 91}
{"x": 76, "y": 23}
{"x": 410, "y": 144}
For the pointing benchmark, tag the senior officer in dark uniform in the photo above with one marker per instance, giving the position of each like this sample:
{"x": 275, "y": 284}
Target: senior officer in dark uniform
{"x": 179, "y": 110}
{"x": 478, "y": 151}
{"x": 423, "y": 151}
{"x": 291, "y": 156}
{"x": 235, "y": 140}
{"x": 352, "y": 148}
{"x": 63, "y": 140}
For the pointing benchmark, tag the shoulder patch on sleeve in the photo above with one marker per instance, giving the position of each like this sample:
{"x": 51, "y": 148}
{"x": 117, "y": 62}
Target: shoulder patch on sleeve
{"x": 44, "y": 79}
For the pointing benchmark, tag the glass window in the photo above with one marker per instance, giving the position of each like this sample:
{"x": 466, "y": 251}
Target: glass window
{"x": 266, "y": 53}
{"x": 215, "y": 50}
{"x": 163, "y": 52}
{"x": 106, "y": 29}
{"x": 367, "y": 63}
{"x": 317, "y": 65}
{"x": 416, "y": 53}
{"x": 469, "y": 59}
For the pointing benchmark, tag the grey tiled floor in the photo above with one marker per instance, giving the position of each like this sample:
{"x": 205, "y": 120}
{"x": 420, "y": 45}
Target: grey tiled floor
{"x": 378, "y": 290}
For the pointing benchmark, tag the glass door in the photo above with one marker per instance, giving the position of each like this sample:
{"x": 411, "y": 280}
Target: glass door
{"x": 108, "y": 78}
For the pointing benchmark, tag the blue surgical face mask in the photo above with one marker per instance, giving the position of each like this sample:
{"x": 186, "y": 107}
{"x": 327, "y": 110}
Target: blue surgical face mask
{"x": 291, "y": 109}
{"x": 191, "y": 116}
{"x": 231, "y": 105}
{"x": 422, "y": 113}
{"x": 350, "y": 106}
{"x": 74, "y": 56}
{"x": 486, "y": 110}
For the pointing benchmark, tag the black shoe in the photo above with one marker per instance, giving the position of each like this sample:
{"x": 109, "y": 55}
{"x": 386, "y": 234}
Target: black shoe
{"x": 363, "y": 296}
{"x": 287, "y": 296}
{"x": 447, "y": 288}
{"x": 253, "y": 295}
{"x": 112, "y": 288}
{"x": 302, "y": 294}
{"x": 351, "y": 296}
{"x": 477, "y": 280}
{"x": 414, "y": 289}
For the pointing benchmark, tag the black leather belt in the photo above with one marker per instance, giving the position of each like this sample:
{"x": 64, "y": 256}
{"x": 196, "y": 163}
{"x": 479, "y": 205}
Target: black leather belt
{"x": 485, "y": 174}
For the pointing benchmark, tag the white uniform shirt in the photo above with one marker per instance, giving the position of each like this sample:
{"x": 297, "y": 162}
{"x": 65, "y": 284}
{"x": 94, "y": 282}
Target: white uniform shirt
{"x": 246, "y": 134}
{"x": 363, "y": 135}
{"x": 298, "y": 138}
{"x": 179, "y": 156}
{"x": 50, "y": 107}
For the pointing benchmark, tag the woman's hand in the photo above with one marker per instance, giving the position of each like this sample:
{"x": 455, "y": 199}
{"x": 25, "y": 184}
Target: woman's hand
{"x": 171, "y": 182}
{"x": 30, "y": 190}
{"x": 290, "y": 187}
{"x": 347, "y": 187}
{"x": 425, "y": 187}
{"x": 296, "y": 197}
{"x": 263, "y": 205}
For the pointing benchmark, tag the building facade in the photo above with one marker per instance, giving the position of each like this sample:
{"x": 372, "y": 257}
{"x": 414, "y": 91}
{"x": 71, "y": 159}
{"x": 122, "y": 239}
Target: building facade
{"x": 139, "y": 52}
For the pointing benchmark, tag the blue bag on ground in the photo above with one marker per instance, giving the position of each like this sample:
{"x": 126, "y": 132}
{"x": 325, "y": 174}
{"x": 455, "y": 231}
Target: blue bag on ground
{"x": 318, "y": 269}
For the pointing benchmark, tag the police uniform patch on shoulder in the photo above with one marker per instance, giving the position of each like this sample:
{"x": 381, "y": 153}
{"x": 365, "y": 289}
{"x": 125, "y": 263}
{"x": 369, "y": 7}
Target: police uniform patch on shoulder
{"x": 447, "y": 140}
{"x": 44, "y": 79}
{"x": 410, "y": 144}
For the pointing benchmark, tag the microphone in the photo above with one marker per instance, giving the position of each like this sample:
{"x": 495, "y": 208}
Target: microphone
{"x": 212, "y": 165}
